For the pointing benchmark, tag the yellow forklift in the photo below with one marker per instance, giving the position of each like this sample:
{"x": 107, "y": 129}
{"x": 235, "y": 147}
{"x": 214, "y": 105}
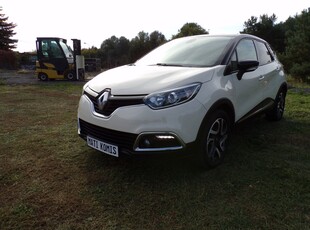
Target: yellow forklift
{"x": 56, "y": 60}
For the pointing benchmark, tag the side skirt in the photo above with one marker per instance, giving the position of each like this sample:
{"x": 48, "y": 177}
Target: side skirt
{"x": 261, "y": 107}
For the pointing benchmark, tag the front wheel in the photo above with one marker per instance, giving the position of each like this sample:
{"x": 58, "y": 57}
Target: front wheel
{"x": 43, "y": 77}
{"x": 214, "y": 140}
{"x": 70, "y": 76}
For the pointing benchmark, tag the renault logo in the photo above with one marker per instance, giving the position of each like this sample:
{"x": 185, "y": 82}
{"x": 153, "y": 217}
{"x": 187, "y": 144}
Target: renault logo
{"x": 103, "y": 99}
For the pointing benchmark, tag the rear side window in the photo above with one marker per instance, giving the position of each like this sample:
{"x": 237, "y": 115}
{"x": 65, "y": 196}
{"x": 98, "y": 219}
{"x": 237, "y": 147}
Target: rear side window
{"x": 264, "y": 56}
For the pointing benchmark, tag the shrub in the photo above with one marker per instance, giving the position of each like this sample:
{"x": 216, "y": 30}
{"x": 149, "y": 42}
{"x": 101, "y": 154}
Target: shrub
{"x": 301, "y": 71}
{"x": 8, "y": 59}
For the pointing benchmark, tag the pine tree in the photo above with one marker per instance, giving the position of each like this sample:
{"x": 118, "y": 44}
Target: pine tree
{"x": 6, "y": 32}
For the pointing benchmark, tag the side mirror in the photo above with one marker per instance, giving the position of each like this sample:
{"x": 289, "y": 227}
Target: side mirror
{"x": 246, "y": 66}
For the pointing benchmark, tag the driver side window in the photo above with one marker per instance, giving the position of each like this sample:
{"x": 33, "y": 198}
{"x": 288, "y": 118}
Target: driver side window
{"x": 245, "y": 51}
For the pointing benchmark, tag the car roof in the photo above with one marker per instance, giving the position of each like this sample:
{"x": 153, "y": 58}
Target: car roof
{"x": 237, "y": 36}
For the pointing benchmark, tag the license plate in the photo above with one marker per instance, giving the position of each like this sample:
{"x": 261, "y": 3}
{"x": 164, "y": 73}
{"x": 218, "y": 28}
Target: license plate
{"x": 102, "y": 146}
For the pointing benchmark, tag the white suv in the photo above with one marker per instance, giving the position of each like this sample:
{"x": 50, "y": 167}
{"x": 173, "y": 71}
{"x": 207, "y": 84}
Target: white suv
{"x": 183, "y": 97}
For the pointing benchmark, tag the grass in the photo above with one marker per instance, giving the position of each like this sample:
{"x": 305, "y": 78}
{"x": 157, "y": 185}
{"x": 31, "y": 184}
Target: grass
{"x": 50, "y": 179}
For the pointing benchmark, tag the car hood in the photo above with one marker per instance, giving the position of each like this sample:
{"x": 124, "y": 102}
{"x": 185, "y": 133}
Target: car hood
{"x": 142, "y": 80}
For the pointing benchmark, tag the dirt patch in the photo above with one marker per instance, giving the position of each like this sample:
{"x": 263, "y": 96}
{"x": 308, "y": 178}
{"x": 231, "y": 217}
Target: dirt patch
{"x": 15, "y": 77}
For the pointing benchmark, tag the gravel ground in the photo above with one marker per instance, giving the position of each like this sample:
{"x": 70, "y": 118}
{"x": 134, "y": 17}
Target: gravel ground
{"x": 299, "y": 90}
{"x": 12, "y": 77}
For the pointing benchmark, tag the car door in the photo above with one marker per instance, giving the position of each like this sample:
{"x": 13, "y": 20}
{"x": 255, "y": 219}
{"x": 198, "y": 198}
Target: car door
{"x": 269, "y": 70}
{"x": 248, "y": 90}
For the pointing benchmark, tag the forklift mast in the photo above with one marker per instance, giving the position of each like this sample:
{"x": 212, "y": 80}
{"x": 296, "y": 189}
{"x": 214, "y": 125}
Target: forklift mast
{"x": 79, "y": 62}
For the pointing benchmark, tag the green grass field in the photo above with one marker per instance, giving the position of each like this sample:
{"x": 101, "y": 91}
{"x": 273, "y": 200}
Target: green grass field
{"x": 50, "y": 179}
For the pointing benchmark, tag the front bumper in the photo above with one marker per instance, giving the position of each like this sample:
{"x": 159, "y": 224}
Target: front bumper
{"x": 138, "y": 129}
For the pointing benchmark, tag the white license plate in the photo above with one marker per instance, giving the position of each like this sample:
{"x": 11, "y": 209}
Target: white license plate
{"x": 102, "y": 146}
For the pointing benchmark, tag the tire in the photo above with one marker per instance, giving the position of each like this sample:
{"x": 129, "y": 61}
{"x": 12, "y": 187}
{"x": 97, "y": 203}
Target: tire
{"x": 70, "y": 76}
{"x": 43, "y": 77}
{"x": 276, "y": 113}
{"x": 214, "y": 139}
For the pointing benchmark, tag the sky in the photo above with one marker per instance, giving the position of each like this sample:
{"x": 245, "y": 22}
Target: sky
{"x": 94, "y": 21}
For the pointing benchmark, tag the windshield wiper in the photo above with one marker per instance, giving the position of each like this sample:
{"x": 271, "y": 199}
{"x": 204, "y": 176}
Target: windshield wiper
{"x": 166, "y": 64}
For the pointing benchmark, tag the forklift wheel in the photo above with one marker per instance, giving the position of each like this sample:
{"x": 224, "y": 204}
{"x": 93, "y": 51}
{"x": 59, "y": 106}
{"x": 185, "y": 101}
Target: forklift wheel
{"x": 43, "y": 77}
{"x": 70, "y": 76}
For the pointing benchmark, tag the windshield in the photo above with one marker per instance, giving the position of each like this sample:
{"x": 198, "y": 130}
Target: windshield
{"x": 67, "y": 50}
{"x": 198, "y": 51}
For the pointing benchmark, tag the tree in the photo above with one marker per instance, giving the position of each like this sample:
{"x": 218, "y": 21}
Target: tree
{"x": 112, "y": 51}
{"x": 120, "y": 51}
{"x": 250, "y": 26}
{"x": 290, "y": 39}
{"x": 297, "y": 54}
{"x": 266, "y": 28}
{"x": 139, "y": 46}
{"x": 189, "y": 29}
{"x": 156, "y": 39}
{"x": 90, "y": 52}
{"x": 6, "y": 32}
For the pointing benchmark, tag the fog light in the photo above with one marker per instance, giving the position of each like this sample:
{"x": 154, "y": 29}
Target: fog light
{"x": 158, "y": 142}
{"x": 165, "y": 137}
{"x": 147, "y": 142}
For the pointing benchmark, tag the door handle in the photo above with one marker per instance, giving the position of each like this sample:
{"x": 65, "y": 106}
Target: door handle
{"x": 261, "y": 78}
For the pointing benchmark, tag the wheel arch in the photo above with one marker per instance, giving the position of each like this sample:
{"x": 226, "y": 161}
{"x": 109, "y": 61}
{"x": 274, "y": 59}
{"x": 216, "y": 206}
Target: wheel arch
{"x": 223, "y": 104}
{"x": 275, "y": 113}
{"x": 283, "y": 87}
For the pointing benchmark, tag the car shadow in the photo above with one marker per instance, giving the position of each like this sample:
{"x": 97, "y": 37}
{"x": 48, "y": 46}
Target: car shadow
{"x": 248, "y": 140}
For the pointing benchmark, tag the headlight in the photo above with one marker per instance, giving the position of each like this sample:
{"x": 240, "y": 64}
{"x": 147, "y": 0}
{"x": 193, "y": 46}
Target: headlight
{"x": 172, "y": 97}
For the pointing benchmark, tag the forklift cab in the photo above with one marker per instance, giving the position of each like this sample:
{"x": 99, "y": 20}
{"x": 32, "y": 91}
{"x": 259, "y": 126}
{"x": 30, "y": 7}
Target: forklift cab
{"x": 56, "y": 60}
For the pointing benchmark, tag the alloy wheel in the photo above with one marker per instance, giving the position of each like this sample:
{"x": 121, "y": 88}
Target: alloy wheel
{"x": 280, "y": 104}
{"x": 217, "y": 140}
{"x": 43, "y": 77}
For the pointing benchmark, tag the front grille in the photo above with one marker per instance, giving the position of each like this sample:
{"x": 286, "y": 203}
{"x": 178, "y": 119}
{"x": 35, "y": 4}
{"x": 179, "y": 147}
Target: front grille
{"x": 114, "y": 103}
{"x": 121, "y": 139}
